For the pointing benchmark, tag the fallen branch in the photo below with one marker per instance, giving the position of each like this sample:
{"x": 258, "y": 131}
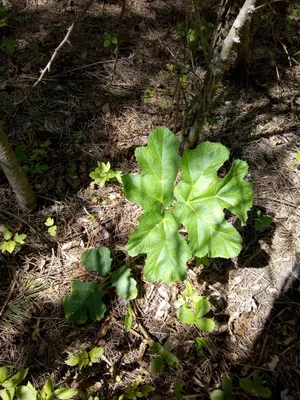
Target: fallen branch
{"x": 57, "y": 50}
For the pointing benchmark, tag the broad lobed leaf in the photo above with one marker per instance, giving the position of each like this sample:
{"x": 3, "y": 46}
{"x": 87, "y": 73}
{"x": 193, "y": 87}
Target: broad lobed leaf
{"x": 122, "y": 280}
{"x": 158, "y": 162}
{"x": 167, "y": 251}
{"x": 202, "y": 198}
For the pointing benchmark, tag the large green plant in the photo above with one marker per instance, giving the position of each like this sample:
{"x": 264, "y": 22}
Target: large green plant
{"x": 196, "y": 202}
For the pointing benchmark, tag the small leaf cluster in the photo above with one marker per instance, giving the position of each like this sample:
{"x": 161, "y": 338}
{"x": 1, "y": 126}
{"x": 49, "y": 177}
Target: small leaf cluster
{"x": 136, "y": 391}
{"x": 103, "y": 173}
{"x": 262, "y": 222}
{"x": 10, "y": 240}
{"x": 34, "y": 160}
{"x": 86, "y": 297}
{"x": 192, "y": 309}
{"x": 253, "y": 386}
{"x": 109, "y": 39}
{"x": 10, "y": 386}
{"x": 8, "y": 45}
{"x": 52, "y": 228}
{"x": 85, "y": 358}
{"x": 201, "y": 344}
{"x": 163, "y": 358}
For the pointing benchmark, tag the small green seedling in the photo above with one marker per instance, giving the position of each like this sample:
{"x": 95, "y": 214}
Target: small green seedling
{"x": 86, "y": 297}
{"x": 225, "y": 393}
{"x": 128, "y": 318}
{"x": 255, "y": 386}
{"x": 71, "y": 171}
{"x": 9, "y": 46}
{"x": 297, "y": 155}
{"x": 192, "y": 308}
{"x": 103, "y": 173}
{"x": 163, "y": 358}
{"x": 52, "y": 229}
{"x": 109, "y": 39}
{"x": 178, "y": 391}
{"x": 48, "y": 392}
{"x": 85, "y": 358}
{"x": 201, "y": 344}
{"x": 10, "y": 240}
{"x": 136, "y": 391}
{"x": 78, "y": 135}
{"x": 262, "y": 222}
{"x": 149, "y": 94}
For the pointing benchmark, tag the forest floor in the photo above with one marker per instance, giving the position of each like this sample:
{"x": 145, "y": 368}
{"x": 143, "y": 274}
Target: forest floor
{"x": 89, "y": 113}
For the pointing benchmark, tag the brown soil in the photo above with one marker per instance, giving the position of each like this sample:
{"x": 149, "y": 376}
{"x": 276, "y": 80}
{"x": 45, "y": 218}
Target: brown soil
{"x": 91, "y": 113}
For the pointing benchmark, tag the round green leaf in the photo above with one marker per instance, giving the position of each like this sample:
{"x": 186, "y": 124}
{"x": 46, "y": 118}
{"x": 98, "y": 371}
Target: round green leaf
{"x": 124, "y": 283}
{"x": 65, "y": 393}
{"x": 3, "y": 373}
{"x": 202, "y": 308}
{"x": 26, "y": 393}
{"x": 227, "y": 385}
{"x": 263, "y": 392}
{"x": 218, "y": 395}
{"x": 97, "y": 260}
{"x": 95, "y": 354}
{"x": 185, "y": 315}
{"x": 205, "y": 324}
{"x": 171, "y": 359}
{"x": 156, "y": 348}
{"x": 247, "y": 385}
{"x": 156, "y": 365}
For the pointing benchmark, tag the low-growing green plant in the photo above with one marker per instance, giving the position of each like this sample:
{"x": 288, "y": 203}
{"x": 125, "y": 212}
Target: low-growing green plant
{"x": 255, "y": 386}
{"x": 262, "y": 222}
{"x": 10, "y": 384}
{"x": 149, "y": 94}
{"x": 10, "y": 240}
{"x": 226, "y": 393}
{"x": 136, "y": 391}
{"x": 178, "y": 391}
{"x": 297, "y": 155}
{"x": 52, "y": 228}
{"x": 128, "y": 318}
{"x": 34, "y": 45}
{"x": 109, "y": 39}
{"x": 33, "y": 159}
{"x": 85, "y": 358}
{"x": 86, "y": 297}
{"x": 49, "y": 393}
{"x": 163, "y": 358}
{"x": 8, "y": 45}
{"x": 201, "y": 344}
{"x": 197, "y": 202}
{"x": 103, "y": 173}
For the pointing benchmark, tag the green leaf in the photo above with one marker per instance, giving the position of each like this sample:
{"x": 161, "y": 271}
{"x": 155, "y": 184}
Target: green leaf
{"x": 128, "y": 319}
{"x": 65, "y": 393}
{"x": 122, "y": 280}
{"x": 7, "y": 394}
{"x": 75, "y": 359}
{"x": 49, "y": 221}
{"x": 26, "y": 392}
{"x": 256, "y": 379}
{"x": 263, "y": 392}
{"x": 218, "y": 395}
{"x": 3, "y": 373}
{"x": 6, "y": 233}
{"x": 52, "y": 230}
{"x": 202, "y": 198}
{"x": 202, "y": 307}
{"x": 85, "y": 298}
{"x": 7, "y": 246}
{"x": 167, "y": 251}
{"x": 103, "y": 173}
{"x": 146, "y": 389}
{"x": 178, "y": 391}
{"x": 227, "y": 385}
{"x": 47, "y": 391}
{"x": 247, "y": 385}
{"x": 185, "y": 315}
{"x": 19, "y": 239}
{"x": 156, "y": 365}
{"x": 97, "y": 260}
{"x": 95, "y": 354}
{"x": 158, "y": 162}
{"x": 20, "y": 152}
{"x": 16, "y": 379}
{"x": 297, "y": 156}
{"x": 156, "y": 348}
{"x": 205, "y": 324}
{"x": 170, "y": 359}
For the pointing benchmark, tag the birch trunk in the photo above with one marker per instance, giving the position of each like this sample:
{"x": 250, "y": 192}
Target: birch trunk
{"x": 15, "y": 175}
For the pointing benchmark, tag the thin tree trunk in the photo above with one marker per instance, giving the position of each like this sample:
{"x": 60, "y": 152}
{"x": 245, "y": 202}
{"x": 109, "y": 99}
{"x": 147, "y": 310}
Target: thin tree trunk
{"x": 220, "y": 53}
{"x": 15, "y": 175}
